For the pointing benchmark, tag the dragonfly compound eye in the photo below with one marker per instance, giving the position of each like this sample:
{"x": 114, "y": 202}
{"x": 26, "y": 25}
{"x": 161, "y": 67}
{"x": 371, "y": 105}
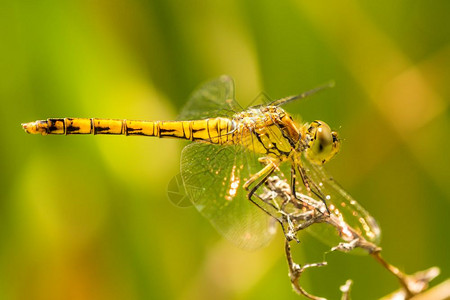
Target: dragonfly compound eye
{"x": 323, "y": 144}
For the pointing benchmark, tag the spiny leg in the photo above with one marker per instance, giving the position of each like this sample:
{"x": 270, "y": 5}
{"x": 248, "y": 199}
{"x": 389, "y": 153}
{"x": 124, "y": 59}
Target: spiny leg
{"x": 265, "y": 210}
{"x": 270, "y": 166}
{"x": 284, "y": 211}
{"x": 260, "y": 178}
{"x": 294, "y": 192}
{"x": 316, "y": 191}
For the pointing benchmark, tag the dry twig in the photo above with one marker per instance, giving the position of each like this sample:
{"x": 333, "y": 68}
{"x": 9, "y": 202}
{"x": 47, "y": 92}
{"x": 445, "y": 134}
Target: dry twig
{"x": 302, "y": 211}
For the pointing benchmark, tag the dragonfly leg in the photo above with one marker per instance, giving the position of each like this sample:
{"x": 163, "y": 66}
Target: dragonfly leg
{"x": 270, "y": 166}
{"x": 316, "y": 191}
{"x": 266, "y": 211}
{"x": 294, "y": 192}
{"x": 260, "y": 178}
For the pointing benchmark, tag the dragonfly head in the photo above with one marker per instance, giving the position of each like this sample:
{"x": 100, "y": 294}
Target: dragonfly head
{"x": 322, "y": 143}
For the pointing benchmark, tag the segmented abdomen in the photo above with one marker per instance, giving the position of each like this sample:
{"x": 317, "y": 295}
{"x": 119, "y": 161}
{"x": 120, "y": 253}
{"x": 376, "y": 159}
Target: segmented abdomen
{"x": 214, "y": 130}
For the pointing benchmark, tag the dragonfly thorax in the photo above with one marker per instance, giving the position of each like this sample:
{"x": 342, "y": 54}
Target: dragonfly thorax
{"x": 271, "y": 131}
{"x": 267, "y": 130}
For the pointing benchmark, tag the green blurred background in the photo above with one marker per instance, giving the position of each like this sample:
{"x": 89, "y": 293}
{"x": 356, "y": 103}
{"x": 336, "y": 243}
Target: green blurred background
{"x": 84, "y": 217}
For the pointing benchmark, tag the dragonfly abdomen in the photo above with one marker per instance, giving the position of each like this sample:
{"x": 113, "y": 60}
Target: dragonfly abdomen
{"x": 214, "y": 130}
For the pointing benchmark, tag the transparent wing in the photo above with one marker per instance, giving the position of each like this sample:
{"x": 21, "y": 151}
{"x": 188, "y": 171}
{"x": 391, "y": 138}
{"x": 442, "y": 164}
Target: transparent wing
{"x": 213, "y": 176}
{"x": 342, "y": 205}
{"x": 304, "y": 95}
{"x": 263, "y": 99}
{"x": 213, "y": 99}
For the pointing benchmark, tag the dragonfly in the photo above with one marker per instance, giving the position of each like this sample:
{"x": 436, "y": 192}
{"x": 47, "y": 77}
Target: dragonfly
{"x": 233, "y": 151}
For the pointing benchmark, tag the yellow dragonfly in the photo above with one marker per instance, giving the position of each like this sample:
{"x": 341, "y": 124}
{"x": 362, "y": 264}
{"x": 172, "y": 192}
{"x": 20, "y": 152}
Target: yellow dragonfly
{"x": 233, "y": 152}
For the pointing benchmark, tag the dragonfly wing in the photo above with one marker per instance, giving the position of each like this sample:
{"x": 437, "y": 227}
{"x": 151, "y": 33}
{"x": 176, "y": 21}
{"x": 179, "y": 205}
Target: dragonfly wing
{"x": 342, "y": 204}
{"x": 213, "y": 176}
{"x": 213, "y": 99}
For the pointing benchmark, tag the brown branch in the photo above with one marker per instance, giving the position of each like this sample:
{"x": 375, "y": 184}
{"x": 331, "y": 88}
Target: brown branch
{"x": 295, "y": 272}
{"x": 297, "y": 213}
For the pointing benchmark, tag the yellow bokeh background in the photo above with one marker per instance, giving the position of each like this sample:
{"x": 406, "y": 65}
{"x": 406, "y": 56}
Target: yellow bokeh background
{"x": 84, "y": 217}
